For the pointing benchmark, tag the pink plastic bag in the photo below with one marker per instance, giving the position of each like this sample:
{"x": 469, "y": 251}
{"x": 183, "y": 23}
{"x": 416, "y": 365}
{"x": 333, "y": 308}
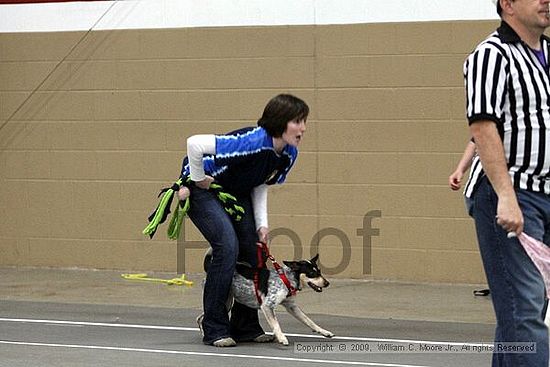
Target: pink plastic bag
{"x": 540, "y": 255}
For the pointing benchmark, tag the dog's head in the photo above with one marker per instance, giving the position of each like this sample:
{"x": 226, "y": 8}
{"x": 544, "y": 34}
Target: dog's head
{"x": 308, "y": 272}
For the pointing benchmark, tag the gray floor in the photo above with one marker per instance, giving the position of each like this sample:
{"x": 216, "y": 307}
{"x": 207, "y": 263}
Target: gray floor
{"x": 83, "y": 318}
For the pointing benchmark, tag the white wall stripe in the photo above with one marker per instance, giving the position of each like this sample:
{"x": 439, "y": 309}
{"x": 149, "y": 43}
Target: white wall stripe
{"x": 140, "y": 14}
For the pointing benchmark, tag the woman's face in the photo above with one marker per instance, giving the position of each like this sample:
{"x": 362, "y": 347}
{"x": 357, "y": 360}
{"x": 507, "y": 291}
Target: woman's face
{"x": 294, "y": 132}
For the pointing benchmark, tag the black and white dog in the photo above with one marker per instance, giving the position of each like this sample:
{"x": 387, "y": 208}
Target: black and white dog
{"x": 270, "y": 291}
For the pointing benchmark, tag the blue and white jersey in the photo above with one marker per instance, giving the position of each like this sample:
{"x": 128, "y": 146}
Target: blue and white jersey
{"x": 246, "y": 158}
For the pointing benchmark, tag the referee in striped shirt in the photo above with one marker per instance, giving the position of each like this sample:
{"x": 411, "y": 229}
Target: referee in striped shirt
{"x": 508, "y": 108}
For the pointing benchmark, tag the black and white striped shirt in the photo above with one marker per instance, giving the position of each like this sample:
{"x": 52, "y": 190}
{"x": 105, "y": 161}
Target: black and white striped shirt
{"x": 507, "y": 84}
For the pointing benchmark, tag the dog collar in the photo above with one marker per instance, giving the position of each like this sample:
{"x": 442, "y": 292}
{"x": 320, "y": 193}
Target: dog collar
{"x": 263, "y": 255}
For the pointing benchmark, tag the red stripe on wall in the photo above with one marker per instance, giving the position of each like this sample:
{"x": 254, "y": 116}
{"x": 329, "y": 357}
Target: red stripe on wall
{"x": 40, "y": 1}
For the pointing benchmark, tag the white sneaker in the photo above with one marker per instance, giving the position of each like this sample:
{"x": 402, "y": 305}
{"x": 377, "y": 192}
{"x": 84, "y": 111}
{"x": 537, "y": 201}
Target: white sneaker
{"x": 225, "y": 342}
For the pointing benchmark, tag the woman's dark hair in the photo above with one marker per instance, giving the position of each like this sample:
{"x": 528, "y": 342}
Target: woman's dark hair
{"x": 499, "y": 8}
{"x": 280, "y": 110}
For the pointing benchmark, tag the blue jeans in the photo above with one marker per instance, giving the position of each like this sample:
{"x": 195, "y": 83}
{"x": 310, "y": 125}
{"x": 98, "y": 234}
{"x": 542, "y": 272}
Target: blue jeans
{"x": 229, "y": 241}
{"x": 517, "y": 288}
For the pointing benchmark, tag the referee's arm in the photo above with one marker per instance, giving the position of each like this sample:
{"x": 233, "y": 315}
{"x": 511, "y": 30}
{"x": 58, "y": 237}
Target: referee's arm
{"x": 491, "y": 152}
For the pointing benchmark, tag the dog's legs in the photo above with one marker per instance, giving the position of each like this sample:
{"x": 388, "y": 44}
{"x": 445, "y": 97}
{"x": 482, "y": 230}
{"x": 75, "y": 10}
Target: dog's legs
{"x": 199, "y": 322}
{"x": 228, "y": 305}
{"x": 230, "y": 301}
{"x": 271, "y": 319}
{"x": 295, "y": 311}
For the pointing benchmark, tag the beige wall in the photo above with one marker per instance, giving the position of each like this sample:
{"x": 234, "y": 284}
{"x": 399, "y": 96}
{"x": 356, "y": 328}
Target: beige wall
{"x": 83, "y": 159}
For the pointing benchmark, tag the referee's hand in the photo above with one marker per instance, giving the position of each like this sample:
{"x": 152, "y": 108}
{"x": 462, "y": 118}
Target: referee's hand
{"x": 509, "y": 215}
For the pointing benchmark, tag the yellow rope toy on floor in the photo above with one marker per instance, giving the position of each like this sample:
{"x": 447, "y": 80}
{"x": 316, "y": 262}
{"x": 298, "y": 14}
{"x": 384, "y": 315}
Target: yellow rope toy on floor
{"x": 144, "y": 277}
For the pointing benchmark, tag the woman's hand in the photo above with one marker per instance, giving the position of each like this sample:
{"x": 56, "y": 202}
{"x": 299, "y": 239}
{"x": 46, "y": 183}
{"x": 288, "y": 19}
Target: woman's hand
{"x": 183, "y": 193}
{"x": 263, "y": 234}
{"x": 205, "y": 183}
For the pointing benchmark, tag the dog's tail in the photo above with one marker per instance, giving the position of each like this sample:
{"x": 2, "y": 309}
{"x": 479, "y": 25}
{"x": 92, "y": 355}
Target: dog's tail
{"x": 207, "y": 259}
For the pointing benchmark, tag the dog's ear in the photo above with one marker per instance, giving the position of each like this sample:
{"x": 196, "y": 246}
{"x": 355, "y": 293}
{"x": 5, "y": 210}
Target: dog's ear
{"x": 293, "y": 265}
{"x": 314, "y": 259}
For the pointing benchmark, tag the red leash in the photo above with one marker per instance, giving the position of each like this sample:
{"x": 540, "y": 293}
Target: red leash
{"x": 263, "y": 249}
